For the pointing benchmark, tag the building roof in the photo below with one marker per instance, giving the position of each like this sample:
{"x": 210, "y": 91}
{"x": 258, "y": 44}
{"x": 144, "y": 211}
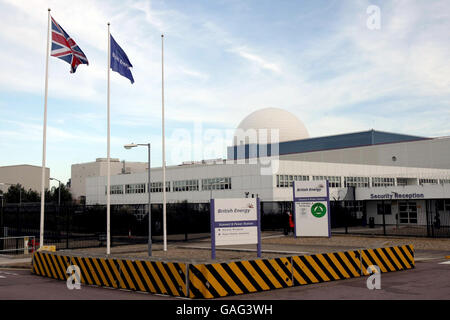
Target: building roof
{"x": 340, "y": 141}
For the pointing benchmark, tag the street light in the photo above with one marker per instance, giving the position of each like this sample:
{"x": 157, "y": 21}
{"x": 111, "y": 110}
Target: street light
{"x": 59, "y": 191}
{"x": 128, "y": 147}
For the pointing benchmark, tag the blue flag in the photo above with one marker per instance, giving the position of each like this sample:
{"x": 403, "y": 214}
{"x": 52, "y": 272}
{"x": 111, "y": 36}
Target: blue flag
{"x": 119, "y": 61}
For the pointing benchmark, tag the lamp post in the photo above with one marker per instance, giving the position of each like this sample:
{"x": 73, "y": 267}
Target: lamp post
{"x": 59, "y": 191}
{"x": 2, "y": 235}
{"x": 128, "y": 147}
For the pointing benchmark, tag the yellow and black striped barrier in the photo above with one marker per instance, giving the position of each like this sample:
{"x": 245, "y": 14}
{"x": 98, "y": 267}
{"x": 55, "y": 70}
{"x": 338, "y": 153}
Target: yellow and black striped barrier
{"x": 233, "y": 278}
{"x": 216, "y": 280}
{"x": 137, "y": 275}
{"x": 388, "y": 259}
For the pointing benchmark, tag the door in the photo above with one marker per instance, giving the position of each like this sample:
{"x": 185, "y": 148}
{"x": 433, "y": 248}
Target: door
{"x": 407, "y": 212}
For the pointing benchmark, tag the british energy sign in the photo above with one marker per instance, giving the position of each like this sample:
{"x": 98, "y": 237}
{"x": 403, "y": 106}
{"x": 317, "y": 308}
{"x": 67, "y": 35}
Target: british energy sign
{"x": 235, "y": 221}
{"x": 311, "y": 209}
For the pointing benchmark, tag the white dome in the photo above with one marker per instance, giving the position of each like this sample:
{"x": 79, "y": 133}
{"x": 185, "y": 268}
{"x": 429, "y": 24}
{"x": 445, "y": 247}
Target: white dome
{"x": 289, "y": 126}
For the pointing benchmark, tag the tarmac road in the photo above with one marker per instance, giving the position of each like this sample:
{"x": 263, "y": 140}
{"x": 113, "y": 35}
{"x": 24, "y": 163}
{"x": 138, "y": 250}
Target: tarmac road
{"x": 429, "y": 280}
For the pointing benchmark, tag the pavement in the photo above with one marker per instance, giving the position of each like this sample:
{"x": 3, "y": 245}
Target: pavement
{"x": 429, "y": 280}
{"x": 15, "y": 262}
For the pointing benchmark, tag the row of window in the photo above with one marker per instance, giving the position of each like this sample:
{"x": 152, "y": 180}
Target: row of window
{"x": 431, "y": 181}
{"x": 333, "y": 181}
{"x": 282, "y": 181}
{"x": 383, "y": 182}
{"x": 158, "y": 187}
{"x": 286, "y": 181}
{"x": 216, "y": 184}
{"x": 177, "y": 186}
{"x": 185, "y": 185}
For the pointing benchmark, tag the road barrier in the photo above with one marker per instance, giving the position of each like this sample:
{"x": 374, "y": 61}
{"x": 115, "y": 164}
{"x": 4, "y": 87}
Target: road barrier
{"x": 214, "y": 280}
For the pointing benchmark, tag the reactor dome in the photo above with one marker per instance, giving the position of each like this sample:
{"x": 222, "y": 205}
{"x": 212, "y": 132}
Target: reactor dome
{"x": 289, "y": 126}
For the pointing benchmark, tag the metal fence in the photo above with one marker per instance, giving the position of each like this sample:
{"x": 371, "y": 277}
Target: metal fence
{"x": 433, "y": 219}
{"x": 17, "y": 245}
{"x": 80, "y": 226}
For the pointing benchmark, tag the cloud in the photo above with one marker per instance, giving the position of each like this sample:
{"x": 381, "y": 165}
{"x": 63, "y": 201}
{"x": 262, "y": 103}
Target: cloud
{"x": 327, "y": 68}
{"x": 259, "y": 61}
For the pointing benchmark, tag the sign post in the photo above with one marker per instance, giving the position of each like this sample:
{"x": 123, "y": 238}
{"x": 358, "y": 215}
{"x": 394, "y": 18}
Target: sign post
{"x": 235, "y": 221}
{"x": 312, "y": 208}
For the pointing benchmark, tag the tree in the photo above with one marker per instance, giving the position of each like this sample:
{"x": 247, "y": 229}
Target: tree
{"x": 16, "y": 193}
{"x": 32, "y": 196}
{"x": 53, "y": 194}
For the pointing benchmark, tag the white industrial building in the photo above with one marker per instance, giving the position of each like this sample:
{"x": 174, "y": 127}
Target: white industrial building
{"x": 28, "y": 176}
{"x": 99, "y": 168}
{"x": 371, "y": 171}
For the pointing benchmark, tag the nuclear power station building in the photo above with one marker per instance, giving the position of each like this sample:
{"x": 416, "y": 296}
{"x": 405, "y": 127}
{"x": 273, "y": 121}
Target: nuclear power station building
{"x": 403, "y": 179}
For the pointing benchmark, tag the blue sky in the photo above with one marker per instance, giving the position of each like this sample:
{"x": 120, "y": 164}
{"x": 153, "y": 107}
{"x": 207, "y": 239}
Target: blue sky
{"x": 223, "y": 60}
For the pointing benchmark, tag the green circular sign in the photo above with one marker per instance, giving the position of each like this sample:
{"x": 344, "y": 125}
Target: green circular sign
{"x": 318, "y": 210}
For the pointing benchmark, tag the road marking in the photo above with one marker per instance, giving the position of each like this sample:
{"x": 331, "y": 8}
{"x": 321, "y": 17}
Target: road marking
{"x": 273, "y": 236}
{"x": 9, "y": 273}
{"x": 2, "y": 277}
{"x": 426, "y": 259}
{"x": 445, "y": 262}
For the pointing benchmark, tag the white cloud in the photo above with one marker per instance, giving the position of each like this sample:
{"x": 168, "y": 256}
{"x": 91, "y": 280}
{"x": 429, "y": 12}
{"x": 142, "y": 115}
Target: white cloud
{"x": 219, "y": 76}
{"x": 259, "y": 61}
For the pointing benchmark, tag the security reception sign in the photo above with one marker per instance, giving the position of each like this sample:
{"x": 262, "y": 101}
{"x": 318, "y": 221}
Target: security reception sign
{"x": 311, "y": 208}
{"x": 235, "y": 221}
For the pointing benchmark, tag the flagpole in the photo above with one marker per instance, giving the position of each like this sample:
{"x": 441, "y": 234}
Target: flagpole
{"x": 163, "y": 148}
{"x": 44, "y": 138}
{"x": 108, "y": 184}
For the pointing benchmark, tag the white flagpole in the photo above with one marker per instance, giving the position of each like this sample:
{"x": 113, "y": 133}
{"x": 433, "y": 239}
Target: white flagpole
{"x": 44, "y": 140}
{"x": 163, "y": 148}
{"x": 108, "y": 184}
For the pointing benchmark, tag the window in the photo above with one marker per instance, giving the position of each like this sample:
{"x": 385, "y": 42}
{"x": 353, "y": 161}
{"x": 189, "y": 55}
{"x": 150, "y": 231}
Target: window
{"x": 429, "y": 181}
{"x": 185, "y": 185}
{"x": 356, "y": 208}
{"x": 333, "y": 181}
{"x": 383, "y": 182}
{"x": 216, "y": 184}
{"x": 402, "y": 181}
{"x": 157, "y": 187}
{"x": 116, "y": 189}
{"x": 407, "y": 212}
{"x": 440, "y": 204}
{"x": 135, "y": 188}
{"x": 443, "y": 205}
{"x": 442, "y": 181}
{"x": 362, "y": 182}
{"x": 387, "y": 209}
{"x": 286, "y": 181}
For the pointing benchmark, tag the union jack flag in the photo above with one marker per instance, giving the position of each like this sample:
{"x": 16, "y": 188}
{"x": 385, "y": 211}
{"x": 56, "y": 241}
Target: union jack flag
{"x": 65, "y": 48}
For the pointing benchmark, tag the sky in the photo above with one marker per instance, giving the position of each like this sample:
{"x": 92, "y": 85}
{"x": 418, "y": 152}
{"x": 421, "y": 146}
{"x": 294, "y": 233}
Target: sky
{"x": 339, "y": 66}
